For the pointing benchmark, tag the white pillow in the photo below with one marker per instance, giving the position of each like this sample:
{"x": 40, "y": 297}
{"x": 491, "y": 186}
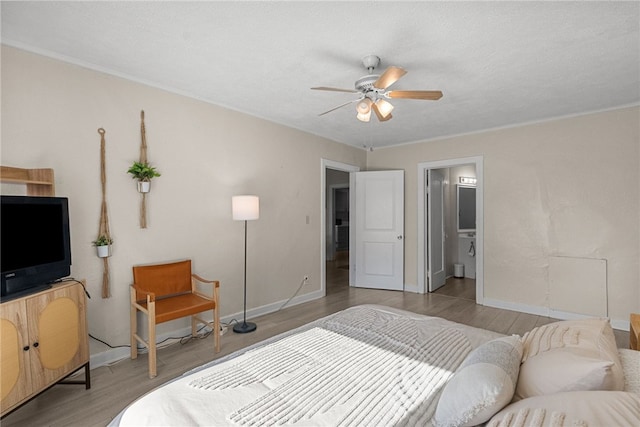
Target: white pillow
{"x": 573, "y": 408}
{"x": 570, "y": 355}
{"x": 483, "y": 385}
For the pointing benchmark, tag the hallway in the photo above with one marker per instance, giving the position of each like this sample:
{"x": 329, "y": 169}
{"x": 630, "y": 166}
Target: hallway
{"x": 338, "y": 279}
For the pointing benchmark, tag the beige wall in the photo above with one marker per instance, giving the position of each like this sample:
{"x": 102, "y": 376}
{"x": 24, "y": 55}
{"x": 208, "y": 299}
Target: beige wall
{"x": 50, "y": 115}
{"x": 568, "y": 187}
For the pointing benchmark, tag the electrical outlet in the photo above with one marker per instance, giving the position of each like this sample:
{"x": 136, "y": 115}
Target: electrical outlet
{"x": 223, "y": 330}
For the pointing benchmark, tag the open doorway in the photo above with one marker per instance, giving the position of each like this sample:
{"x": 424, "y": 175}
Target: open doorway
{"x": 458, "y": 243}
{"x": 455, "y": 214}
{"x": 340, "y": 240}
{"x": 337, "y": 226}
{"x": 336, "y": 200}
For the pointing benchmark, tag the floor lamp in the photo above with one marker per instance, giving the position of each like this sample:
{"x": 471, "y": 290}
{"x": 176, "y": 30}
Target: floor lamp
{"x": 245, "y": 208}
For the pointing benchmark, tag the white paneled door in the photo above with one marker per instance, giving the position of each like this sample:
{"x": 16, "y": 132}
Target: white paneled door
{"x": 379, "y": 229}
{"x": 436, "y": 274}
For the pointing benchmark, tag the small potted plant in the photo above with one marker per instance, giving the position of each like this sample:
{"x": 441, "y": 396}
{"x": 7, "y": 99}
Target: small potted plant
{"x": 103, "y": 245}
{"x": 143, "y": 172}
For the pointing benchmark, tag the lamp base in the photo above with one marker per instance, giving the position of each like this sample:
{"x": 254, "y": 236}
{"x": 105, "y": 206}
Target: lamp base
{"x": 244, "y": 327}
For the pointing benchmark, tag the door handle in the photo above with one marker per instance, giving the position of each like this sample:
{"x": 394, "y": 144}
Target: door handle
{"x": 400, "y": 237}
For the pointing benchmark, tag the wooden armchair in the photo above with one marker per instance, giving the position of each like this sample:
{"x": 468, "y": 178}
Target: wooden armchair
{"x": 166, "y": 292}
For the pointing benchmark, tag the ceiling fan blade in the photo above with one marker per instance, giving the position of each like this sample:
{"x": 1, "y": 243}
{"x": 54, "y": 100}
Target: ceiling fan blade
{"x": 389, "y": 77}
{"x": 335, "y": 89}
{"x": 339, "y": 106}
{"x": 431, "y": 95}
{"x": 382, "y": 118}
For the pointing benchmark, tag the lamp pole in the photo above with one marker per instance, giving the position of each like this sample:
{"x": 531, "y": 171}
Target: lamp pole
{"x": 243, "y": 211}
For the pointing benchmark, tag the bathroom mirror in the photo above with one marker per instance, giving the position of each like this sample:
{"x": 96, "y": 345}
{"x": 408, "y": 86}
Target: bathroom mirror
{"x": 466, "y": 208}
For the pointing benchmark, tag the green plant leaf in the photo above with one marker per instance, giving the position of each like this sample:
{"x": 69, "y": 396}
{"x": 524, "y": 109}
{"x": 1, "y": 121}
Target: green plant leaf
{"x": 103, "y": 240}
{"x": 142, "y": 171}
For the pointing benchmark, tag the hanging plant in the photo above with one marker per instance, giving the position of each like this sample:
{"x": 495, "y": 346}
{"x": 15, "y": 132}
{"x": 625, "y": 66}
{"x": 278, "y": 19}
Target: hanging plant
{"x": 143, "y": 172}
{"x": 103, "y": 240}
{"x": 103, "y": 245}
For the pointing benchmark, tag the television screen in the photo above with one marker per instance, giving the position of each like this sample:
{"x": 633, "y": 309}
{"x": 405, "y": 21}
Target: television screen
{"x": 35, "y": 242}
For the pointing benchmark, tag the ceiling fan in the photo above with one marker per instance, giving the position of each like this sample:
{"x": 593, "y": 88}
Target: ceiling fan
{"x": 374, "y": 94}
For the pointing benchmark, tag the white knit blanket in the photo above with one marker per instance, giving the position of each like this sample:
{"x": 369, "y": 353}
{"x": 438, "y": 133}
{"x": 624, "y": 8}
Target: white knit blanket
{"x": 538, "y": 417}
{"x": 344, "y": 364}
{"x": 363, "y": 366}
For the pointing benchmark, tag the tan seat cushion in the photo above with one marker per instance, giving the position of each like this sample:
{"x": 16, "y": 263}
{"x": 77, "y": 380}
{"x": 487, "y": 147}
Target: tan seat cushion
{"x": 179, "y": 306}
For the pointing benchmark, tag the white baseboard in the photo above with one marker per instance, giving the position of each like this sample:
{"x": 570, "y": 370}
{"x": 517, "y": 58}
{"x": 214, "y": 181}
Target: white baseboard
{"x": 110, "y": 356}
{"x": 273, "y": 307}
{"x": 411, "y": 288}
{"x": 622, "y": 325}
{"x": 523, "y": 308}
{"x": 113, "y": 355}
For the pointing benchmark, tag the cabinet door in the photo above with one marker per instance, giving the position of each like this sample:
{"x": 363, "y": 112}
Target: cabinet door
{"x": 14, "y": 359}
{"x": 57, "y": 330}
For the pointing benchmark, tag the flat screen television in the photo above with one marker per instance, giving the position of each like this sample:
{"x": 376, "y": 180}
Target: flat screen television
{"x": 35, "y": 243}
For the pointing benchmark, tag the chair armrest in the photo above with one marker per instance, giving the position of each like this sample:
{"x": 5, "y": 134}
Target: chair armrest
{"x": 151, "y": 296}
{"x": 215, "y": 283}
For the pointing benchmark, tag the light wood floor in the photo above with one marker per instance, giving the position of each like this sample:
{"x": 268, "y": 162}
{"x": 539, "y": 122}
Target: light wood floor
{"x": 460, "y": 288}
{"x": 114, "y": 387}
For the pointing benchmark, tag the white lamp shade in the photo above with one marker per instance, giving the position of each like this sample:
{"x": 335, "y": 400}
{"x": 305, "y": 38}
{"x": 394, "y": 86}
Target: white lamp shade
{"x": 384, "y": 107}
{"x": 364, "y": 106}
{"x": 245, "y": 208}
{"x": 364, "y": 117}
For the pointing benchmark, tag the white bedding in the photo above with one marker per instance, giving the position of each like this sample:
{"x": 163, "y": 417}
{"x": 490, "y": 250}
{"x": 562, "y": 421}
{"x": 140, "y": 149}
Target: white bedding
{"x": 367, "y": 365}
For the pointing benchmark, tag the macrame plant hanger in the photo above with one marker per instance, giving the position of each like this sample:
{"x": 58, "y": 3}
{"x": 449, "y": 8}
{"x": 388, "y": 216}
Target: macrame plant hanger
{"x": 143, "y": 160}
{"x": 104, "y": 217}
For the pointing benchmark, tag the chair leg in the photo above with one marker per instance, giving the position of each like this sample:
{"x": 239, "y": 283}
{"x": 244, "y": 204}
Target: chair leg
{"x": 152, "y": 340}
{"x": 216, "y": 329}
{"x": 134, "y": 326}
{"x": 193, "y": 326}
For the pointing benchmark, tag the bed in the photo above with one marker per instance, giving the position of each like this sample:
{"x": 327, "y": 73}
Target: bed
{"x": 372, "y": 365}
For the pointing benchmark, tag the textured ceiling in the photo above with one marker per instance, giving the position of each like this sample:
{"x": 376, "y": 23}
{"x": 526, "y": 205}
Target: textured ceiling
{"x": 497, "y": 63}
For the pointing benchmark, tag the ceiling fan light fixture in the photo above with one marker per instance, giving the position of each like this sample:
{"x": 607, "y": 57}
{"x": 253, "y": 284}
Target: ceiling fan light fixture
{"x": 384, "y": 107}
{"x": 373, "y": 88}
{"x": 364, "y": 117}
{"x": 364, "y": 106}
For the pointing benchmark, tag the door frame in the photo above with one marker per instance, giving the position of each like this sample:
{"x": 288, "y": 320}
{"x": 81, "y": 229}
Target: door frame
{"x": 442, "y": 164}
{"x": 324, "y": 165}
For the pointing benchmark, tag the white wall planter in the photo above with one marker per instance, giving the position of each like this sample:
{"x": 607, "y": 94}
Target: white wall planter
{"x": 144, "y": 186}
{"x": 104, "y": 251}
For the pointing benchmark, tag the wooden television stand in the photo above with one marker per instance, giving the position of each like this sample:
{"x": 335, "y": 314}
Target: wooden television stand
{"x": 43, "y": 340}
